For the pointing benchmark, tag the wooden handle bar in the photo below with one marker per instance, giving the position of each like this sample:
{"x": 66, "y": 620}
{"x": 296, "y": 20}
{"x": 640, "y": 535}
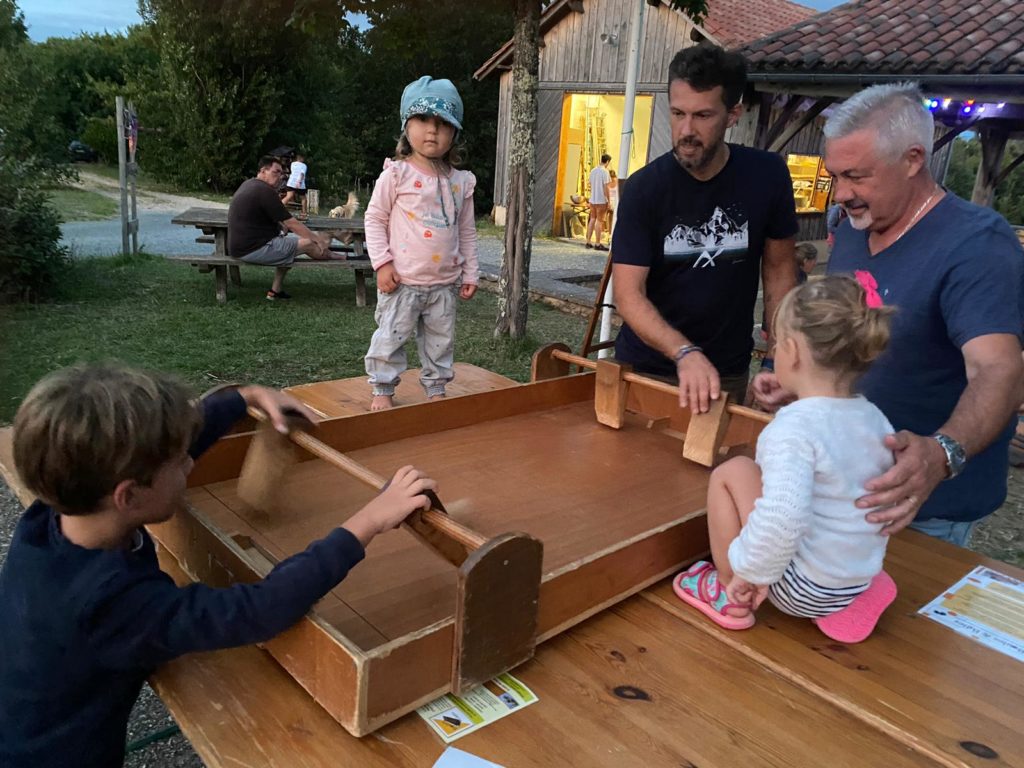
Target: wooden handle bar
{"x": 436, "y": 521}
{"x": 659, "y": 386}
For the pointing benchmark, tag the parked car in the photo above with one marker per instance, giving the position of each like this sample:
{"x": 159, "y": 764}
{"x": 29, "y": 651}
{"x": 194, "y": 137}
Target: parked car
{"x": 81, "y": 151}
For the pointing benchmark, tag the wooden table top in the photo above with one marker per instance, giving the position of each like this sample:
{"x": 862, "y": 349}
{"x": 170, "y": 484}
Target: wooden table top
{"x": 212, "y": 218}
{"x": 652, "y": 683}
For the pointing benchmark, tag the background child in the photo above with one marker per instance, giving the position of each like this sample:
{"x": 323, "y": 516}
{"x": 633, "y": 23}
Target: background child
{"x": 786, "y": 526}
{"x": 87, "y": 612}
{"x": 806, "y": 261}
{"x": 296, "y": 186}
{"x": 421, "y": 237}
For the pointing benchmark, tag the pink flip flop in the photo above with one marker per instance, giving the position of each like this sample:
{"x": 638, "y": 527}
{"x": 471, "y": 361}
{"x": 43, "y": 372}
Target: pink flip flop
{"x": 698, "y": 586}
{"x": 857, "y": 620}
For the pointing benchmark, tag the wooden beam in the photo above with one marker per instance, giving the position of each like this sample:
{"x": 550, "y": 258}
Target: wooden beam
{"x": 785, "y": 115}
{"x": 764, "y": 115}
{"x": 816, "y": 109}
{"x": 993, "y": 145}
{"x": 1006, "y": 171}
{"x": 952, "y": 134}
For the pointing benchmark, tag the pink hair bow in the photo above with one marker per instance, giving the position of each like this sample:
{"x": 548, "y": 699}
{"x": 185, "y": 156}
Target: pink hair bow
{"x": 870, "y": 286}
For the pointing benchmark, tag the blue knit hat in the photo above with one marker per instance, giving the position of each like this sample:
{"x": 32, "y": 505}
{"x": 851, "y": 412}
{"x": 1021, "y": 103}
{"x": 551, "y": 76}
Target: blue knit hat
{"x": 428, "y": 96}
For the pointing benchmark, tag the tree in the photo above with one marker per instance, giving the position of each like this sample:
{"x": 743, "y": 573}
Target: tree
{"x": 513, "y": 286}
{"x": 12, "y": 25}
{"x": 222, "y": 78}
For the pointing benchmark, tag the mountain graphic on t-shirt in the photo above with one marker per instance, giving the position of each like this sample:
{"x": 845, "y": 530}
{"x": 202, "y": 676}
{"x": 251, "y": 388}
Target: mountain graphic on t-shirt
{"x": 719, "y": 234}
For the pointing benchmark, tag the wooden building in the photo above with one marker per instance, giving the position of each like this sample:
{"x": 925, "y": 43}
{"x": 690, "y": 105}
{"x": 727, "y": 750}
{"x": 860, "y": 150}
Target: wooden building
{"x": 967, "y": 56}
{"x": 581, "y": 90}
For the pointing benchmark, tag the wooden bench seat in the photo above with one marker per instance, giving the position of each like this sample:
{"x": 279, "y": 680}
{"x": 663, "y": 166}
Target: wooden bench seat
{"x": 222, "y": 266}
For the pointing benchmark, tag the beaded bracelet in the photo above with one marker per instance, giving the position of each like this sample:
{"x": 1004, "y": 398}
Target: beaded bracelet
{"x": 683, "y": 351}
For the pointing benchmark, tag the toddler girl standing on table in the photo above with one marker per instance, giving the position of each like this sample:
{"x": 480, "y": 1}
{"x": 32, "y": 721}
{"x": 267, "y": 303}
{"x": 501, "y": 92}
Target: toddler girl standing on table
{"x": 421, "y": 238}
{"x": 786, "y": 527}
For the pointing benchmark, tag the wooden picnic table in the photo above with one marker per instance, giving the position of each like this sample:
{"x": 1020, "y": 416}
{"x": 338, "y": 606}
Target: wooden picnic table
{"x": 650, "y": 682}
{"x": 213, "y": 224}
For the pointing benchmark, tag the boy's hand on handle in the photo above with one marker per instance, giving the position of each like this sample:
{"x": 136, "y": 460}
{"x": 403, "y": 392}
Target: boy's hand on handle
{"x": 278, "y": 406}
{"x": 402, "y": 496}
{"x": 900, "y": 492}
{"x": 768, "y": 392}
{"x": 699, "y": 383}
{"x": 467, "y": 291}
{"x": 388, "y": 278}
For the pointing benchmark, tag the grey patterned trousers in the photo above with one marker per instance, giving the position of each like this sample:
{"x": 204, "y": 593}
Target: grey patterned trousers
{"x": 426, "y": 312}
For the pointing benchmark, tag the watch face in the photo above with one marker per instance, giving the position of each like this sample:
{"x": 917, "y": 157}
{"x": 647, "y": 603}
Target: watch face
{"x": 956, "y": 458}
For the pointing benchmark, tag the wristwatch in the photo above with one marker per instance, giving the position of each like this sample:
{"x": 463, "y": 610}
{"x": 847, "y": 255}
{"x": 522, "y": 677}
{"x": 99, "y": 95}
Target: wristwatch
{"x": 956, "y": 457}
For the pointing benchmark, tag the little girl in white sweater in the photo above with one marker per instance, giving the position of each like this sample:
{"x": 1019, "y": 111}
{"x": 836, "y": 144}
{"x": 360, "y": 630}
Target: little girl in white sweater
{"x": 786, "y": 527}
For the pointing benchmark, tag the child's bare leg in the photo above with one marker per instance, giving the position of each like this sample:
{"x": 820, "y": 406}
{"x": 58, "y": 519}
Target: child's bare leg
{"x": 732, "y": 491}
{"x": 437, "y": 397}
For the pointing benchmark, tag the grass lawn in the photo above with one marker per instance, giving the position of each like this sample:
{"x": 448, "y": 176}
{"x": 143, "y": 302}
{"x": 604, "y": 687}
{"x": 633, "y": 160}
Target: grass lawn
{"x": 81, "y": 205}
{"x": 163, "y": 315}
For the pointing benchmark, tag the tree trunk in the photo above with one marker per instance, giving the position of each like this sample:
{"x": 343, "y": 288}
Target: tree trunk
{"x": 513, "y": 287}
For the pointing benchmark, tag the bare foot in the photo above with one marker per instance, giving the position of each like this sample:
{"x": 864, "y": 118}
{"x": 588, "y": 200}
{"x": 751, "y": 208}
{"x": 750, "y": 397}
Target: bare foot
{"x": 437, "y": 397}
{"x": 382, "y": 402}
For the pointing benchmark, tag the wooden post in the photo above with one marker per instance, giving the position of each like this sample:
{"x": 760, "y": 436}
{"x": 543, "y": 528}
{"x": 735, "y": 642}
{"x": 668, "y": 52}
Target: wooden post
{"x": 496, "y": 609}
{"x": 993, "y": 144}
{"x": 610, "y": 393}
{"x": 706, "y": 431}
{"x": 221, "y": 276}
{"x": 360, "y": 288}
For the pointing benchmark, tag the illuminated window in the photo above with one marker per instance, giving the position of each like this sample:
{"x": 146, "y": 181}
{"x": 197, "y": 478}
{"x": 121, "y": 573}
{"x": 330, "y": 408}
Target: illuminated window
{"x": 811, "y": 183}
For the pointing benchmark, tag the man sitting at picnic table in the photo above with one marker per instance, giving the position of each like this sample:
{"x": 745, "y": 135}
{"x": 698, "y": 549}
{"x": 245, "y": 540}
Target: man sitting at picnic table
{"x": 259, "y": 227}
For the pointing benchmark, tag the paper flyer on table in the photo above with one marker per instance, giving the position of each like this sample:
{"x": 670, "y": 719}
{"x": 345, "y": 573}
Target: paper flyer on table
{"x": 452, "y": 717}
{"x": 986, "y": 606}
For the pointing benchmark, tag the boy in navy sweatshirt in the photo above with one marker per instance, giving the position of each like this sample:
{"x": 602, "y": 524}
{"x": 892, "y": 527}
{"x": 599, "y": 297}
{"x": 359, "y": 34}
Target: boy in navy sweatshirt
{"x": 86, "y": 614}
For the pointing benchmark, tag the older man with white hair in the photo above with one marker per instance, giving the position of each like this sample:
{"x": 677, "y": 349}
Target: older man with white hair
{"x": 951, "y": 380}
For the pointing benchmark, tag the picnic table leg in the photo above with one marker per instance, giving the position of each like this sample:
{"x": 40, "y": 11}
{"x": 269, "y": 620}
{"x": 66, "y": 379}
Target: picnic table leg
{"x": 360, "y": 288}
{"x": 221, "y": 276}
{"x": 220, "y": 243}
{"x": 236, "y": 275}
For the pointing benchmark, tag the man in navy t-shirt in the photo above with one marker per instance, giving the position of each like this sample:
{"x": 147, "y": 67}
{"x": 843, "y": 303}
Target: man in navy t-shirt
{"x": 696, "y": 229}
{"x": 950, "y": 381}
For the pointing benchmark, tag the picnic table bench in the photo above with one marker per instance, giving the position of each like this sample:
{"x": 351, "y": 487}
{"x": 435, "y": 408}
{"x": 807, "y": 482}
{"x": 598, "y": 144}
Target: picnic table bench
{"x": 213, "y": 223}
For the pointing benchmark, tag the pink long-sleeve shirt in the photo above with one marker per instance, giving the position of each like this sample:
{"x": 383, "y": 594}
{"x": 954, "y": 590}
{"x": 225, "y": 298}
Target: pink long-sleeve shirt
{"x": 406, "y": 224}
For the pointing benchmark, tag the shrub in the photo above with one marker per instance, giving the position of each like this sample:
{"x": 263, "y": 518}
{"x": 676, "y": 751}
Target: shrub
{"x": 31, "y": 257}
{"x": 100, "y": 133}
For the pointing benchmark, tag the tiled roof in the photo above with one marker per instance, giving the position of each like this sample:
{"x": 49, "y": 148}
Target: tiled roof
{"x": 909, "y": 37}
{"x": 739, "y": 21}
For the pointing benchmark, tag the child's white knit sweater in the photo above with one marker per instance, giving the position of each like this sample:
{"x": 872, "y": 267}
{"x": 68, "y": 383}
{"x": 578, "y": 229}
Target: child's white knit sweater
{"x": 815, "y": 457}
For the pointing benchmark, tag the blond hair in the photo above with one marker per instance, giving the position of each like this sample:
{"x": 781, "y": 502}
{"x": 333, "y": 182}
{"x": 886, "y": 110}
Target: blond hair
{"x": 844, "y": 335}
{"x": 82, "y": 430}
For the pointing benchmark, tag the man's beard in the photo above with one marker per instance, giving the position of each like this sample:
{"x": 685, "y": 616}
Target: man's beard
{"x": 699, "y": 161}
{"x": 861, "y": 221}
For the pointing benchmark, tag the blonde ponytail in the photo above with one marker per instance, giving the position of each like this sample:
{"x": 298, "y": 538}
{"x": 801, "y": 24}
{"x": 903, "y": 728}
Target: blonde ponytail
{"x": 844, "y": 334}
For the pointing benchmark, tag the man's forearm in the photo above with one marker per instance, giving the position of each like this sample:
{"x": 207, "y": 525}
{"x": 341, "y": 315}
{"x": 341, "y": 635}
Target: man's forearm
{"x": 778, "y": 277}
{"x": 992, "y": 396}
{"x": 647, "y": 323}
